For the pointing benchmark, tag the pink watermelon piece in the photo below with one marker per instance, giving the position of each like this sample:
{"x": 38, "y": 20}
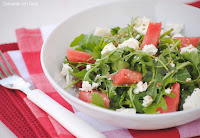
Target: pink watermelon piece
{"x": 152, "y": 35}
{"x": 126, "y": 76}
{"x": 86, "y": 96}
{"x": 79, "y": 56}
{"x": 172, "y": 103}
{"x": 185, "y": 41}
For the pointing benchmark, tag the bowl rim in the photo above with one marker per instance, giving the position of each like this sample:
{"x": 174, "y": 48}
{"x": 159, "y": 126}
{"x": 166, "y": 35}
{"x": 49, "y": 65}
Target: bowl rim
{"x": 91, "y": 106}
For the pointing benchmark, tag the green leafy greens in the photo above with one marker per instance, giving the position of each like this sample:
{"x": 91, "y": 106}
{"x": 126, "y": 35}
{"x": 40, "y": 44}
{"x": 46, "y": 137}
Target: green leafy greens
{"x": 157, "y": 70}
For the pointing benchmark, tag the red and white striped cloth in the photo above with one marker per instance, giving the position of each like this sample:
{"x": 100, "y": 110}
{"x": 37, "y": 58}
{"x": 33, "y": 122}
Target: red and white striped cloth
{"x": 26, "y": 61}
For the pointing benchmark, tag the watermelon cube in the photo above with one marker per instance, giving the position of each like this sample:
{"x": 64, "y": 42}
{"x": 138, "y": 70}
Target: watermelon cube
{"x": 126, "y": 76}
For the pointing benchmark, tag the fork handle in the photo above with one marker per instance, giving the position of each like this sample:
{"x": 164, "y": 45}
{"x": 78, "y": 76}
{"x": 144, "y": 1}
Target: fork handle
{"x": 67, "y": 119}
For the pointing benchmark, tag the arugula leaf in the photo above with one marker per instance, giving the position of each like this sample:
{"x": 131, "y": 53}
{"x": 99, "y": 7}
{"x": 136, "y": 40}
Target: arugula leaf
{"x": 166, "y": 33}
{"x": 96, "y": 54}
{"x": 88, "y": 73}
{"x": 122, "y": 99}
{"x": 97, "y": 99}
{"x": 193, "y": 57}
{"x": 182, "y": 75}
{"x": 115, "y": 30}
{"x": 120, "y": 64}
{"x": 89, "y": 42}
{"x": 155, "y": 85}
{"x": 138, "y": 99}
{"x": 85, "y": 42}
{"x": 113, "y": 57}
{"x": 105, "y": 68}
{"x": 80, "y": 74}
{"x": 76, "y": 41}
{"x": 152, "y": 89}
{"x": 131, "y": 97}
{"x": 97, "y": 49}
{"x": 151, "y": 109}
{"x": 144, "y": 70}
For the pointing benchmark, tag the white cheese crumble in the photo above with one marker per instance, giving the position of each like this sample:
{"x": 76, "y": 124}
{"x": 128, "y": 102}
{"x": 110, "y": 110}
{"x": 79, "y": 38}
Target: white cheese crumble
{"x": 177, "y": 35}
{"x": 193, "y": 100}
{"x": 147, "y": 100}
{"x": 189, "y": 49}
{"x": 108, "y": 48}
{"x": 188, "y": 79}
{"x": 150, "y": 49}
{"x": 137, "y": 36}
{"x": 65, "y": 69}
{"x": 131, "y": 42}
{"x": 127, "y": 110}
{"x": 172, "y": 64}
{"x": 177, "y": 28}
{"x": 88, "y": 67}
{"x": 65, "y": 72}
{"x": 102, "y": 31}
{"x": 86, "y": 86}
{"x": 140, "y": 87}
{"x": 141, "y": 25}
{"x": 168, "y": 90}
{"x": 95, "y": 85}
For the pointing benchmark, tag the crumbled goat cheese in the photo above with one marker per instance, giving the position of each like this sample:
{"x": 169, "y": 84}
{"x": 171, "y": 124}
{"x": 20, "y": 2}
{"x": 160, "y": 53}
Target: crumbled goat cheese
{"x": 65, "y": 69}
{"x": 147, "y": 100}
{"x": 131, "y": 42}
{"x": 127, "y": 110}
{"x": 193, "y": 100}
{"x": 188, "y": 79}
{"x": 172, "y": 64}
{"x": 101, "y": 32}
{"x": 88, "y": 67}
{"x": 177, "y": 28}
{"x": 86, "y": 86}
{"x": 168, "y": 90}
{"x": 150, "y": 49}
{"x": 108, "y": 48}
{"x": 95, "y": 85}
{"x": 140, "y": 87}
{"x": 177, "y": 35}
{"x": 65, "y": 72}
{"x": 137, "y": 36}
{"x": 141, "y": 25}
{"x": 189, "y": 49}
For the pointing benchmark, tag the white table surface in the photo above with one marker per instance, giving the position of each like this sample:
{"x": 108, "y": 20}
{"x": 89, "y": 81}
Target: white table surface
{"x": 34, "y": 14}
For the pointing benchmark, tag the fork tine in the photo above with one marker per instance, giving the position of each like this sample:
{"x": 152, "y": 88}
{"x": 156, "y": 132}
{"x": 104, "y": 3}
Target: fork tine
{"x": 1, "y": 75}
{"x": 4, "y": 69}
{"x": 8, "y": 65}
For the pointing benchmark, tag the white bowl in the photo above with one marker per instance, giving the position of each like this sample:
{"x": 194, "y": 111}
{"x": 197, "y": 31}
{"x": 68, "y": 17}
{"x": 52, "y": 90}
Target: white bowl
{"x": 110, "y": 15}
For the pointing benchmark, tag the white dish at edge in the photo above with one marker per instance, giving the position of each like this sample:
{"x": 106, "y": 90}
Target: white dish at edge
{"x": 114, "y": 14}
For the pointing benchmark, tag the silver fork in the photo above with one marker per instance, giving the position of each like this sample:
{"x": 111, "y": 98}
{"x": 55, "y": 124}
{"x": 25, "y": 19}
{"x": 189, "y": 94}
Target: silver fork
{"x": 67, "y": 119}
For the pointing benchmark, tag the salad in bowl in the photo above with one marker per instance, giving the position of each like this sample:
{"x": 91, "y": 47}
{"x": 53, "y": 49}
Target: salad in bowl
{"x": 142, "y": 68}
